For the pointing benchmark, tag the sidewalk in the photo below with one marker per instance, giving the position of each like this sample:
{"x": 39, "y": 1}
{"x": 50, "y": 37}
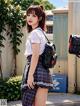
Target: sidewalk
{"x": 56, "y": 99}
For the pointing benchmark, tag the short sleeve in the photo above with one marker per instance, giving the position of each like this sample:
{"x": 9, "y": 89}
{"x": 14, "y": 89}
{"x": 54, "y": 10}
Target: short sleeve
{"x": 34, "y": 37}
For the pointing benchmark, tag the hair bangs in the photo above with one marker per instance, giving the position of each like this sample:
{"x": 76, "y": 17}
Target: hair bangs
{"x": 30, "y": 11}
{"x": 34, "y": 10}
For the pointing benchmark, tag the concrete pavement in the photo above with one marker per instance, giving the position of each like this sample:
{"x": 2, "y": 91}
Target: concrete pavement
{"x": 56, "y": 99}
{"x": 63, "y": 99}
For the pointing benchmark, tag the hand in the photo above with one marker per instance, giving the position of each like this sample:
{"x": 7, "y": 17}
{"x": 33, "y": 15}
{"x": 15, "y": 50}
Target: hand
{"x": 30, "y": 81}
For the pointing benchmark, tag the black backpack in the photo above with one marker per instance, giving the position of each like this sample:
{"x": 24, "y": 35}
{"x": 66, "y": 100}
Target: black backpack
{"x": 49, "y": 56}
{"x": 74, "y": 45}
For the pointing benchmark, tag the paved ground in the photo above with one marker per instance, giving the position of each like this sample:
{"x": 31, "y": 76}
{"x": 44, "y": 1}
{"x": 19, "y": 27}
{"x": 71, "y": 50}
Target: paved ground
{"x": 63, "y": 100}
{"x": 56, "y": 99}
{"x": 67, "y": 104}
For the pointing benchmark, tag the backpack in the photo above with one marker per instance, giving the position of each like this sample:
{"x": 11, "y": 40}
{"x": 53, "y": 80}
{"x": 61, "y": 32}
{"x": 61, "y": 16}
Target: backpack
{"x": 74, "y": 45}
{"x": 49, "y": 56}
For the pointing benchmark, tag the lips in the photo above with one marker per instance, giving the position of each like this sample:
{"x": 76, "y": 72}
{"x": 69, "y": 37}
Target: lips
{"x": 30, "y": 21}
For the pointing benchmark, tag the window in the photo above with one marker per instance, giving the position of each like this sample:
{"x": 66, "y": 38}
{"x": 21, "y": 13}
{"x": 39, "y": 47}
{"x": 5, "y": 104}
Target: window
{"x": 49, "y": 29}
{"x": 49, "y": 17}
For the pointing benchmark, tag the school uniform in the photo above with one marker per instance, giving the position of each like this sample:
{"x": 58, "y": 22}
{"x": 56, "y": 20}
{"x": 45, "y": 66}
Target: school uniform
{"x": 42, "y": 76}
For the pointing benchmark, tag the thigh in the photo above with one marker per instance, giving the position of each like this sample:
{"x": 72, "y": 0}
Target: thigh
{"x": 41, "y": 96}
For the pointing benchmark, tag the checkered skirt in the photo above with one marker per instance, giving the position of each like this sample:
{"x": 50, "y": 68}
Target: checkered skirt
{"x": 42, "y": 78}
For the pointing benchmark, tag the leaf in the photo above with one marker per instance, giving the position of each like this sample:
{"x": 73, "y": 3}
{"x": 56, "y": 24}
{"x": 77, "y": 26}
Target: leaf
{"x": 1, "y": 45}
{"x": 19, "y": 40}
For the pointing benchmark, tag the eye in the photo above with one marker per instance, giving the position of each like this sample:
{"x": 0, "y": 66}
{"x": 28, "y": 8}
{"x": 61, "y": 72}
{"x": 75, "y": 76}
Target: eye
{"x": 28, "y": 14}
{"x": 34, "y": 15}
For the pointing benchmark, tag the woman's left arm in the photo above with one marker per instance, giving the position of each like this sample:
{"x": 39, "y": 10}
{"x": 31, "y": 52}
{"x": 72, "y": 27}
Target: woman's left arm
{"x": 34, "y": 61}
{"x": 35, "y": 57}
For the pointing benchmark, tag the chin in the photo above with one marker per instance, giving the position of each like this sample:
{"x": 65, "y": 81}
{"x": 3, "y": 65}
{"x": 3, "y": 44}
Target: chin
{"x": 30, "y": 24}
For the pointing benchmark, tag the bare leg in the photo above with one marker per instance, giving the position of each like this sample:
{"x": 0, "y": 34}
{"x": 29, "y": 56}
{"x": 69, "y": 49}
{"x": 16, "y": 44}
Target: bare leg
{"x": 41, "y": 97}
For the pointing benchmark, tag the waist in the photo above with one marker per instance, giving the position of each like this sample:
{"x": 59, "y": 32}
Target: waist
{"x": 29, "y": 59}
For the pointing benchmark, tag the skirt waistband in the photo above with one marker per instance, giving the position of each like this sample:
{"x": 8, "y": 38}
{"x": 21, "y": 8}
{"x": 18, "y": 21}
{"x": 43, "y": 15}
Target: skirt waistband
{"x": 29, "y": 59}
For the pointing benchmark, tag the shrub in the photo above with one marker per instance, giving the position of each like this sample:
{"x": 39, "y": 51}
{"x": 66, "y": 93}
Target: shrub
{"x": 10, "y": 88}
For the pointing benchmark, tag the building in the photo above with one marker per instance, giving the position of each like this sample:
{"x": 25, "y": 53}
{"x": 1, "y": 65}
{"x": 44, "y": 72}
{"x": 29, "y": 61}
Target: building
{"x": 49, "y": 24}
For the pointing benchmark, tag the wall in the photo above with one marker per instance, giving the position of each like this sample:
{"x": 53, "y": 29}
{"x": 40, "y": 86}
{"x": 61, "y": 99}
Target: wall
{"x": 60, "y": 39}
{"x": 73, "y": 62}
{"x": 7, "y": 56}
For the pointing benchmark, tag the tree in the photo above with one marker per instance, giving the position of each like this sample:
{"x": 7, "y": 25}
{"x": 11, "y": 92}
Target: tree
{"x": 26, "y": 3}
{"x": 3, "y": 18}
{"x": 23, "y": 3}
{"x": 12, "y": 16}
{"x": 47, "y": 5}
{"x": 15, "y": 22}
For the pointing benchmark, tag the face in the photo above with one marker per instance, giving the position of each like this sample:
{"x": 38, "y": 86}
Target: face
{"x": 32, "y": 20}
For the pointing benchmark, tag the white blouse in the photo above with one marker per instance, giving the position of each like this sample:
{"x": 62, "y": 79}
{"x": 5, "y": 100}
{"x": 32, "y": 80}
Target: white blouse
{"x": 36, "y": 36}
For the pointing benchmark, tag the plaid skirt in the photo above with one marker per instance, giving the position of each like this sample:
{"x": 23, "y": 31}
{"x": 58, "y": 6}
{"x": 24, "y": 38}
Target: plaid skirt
{"x": 42, "y": 78}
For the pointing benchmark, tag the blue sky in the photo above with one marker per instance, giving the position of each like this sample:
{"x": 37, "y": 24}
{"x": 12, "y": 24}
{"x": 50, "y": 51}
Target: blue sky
{"x": 59, "y": 3}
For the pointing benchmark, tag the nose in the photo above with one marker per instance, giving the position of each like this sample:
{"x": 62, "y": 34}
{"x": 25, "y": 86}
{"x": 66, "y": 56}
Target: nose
{"x": 29, "y": 16}
{"x": 29, "y": 19}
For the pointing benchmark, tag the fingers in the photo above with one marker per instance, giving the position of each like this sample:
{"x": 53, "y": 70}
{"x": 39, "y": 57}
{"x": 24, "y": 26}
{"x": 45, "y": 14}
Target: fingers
{"x": 31, "y": 85}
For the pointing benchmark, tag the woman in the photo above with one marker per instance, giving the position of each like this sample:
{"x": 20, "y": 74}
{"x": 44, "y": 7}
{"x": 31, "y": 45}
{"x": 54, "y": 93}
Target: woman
{"x": 36, "y": 79}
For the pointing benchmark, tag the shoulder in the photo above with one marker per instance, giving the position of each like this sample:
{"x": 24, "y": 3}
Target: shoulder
{"x": 35, "y": 35}
{"x": 36, "y": 31}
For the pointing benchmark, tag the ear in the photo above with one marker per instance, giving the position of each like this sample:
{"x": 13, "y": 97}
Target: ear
{"x": 40, "y": 18}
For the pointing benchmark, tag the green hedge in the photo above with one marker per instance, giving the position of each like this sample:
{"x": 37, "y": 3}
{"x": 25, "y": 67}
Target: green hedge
{"x": 10, "y": 88}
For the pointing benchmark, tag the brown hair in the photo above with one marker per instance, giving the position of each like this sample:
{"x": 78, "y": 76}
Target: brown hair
{"x": 40, "y": 13}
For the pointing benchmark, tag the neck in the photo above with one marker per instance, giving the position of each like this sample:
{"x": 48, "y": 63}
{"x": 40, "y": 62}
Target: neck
{"x": 34, "y": 27}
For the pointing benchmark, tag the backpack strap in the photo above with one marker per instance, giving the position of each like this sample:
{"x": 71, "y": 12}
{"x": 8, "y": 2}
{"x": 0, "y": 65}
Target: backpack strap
{"x": 44, "y": 35}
